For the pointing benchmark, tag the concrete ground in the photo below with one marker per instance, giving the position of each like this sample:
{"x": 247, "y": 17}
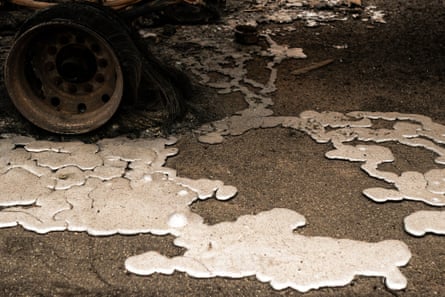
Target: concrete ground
{"x": 394, "y": 67}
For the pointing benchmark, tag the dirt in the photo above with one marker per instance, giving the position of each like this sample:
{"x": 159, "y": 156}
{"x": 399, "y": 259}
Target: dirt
{"x": 397, "y": 66}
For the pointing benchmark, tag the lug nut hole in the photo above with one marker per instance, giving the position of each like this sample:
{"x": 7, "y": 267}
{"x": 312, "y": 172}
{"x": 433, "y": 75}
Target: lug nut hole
{"x": 81, "y": 108}
{"x": 55, "y": 101}
{"x": 105, "y": 98}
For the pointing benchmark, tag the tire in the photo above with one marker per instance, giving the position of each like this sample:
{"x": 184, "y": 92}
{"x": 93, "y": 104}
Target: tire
{"x": 70, "y": 66}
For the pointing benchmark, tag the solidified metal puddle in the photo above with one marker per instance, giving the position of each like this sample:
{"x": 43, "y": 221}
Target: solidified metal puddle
{"x": 85, "y": 187}
{"x": 127, "y": 179}
{"x": 340, "y": 129}
{"x": 265, "y": 246}
{"x": 422, "y": 222}
{"x": 337, "y": 128}
{"x": 116, "y": 186}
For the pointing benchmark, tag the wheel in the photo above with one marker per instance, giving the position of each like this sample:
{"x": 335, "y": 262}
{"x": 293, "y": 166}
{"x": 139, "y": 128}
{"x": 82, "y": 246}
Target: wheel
{"x": 68, "y": 67}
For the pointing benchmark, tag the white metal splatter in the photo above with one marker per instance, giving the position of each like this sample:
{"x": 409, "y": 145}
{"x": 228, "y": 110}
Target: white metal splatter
{"x": 313, "y": 13}
{"x": 129, "y": 191}
{"x": 422, "y": 222}
{"x": 265, "y": 246}
{"x": 339, "y": 129}
{"x": 117, "y": 186}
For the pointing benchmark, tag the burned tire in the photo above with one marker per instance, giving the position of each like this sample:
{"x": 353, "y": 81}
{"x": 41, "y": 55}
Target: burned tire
{"x": 68, "y": 68}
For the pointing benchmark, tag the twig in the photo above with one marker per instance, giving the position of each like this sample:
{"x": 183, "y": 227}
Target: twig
{"x": 313, "y": 67}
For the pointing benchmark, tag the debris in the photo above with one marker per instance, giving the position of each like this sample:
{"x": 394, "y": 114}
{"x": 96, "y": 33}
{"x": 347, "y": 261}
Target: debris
{"x": 147, "y": 34}
{"x": 311, "y": 24}
{"x": 8, "y": 21}
{"x": 155, "y": 12}
{"x": 246, "y": 34}
{"x": 281, "y": 52}
{"x": 340, "y": 46}
{"x": 312, "y": 67}
{"x": 115, "y": 4}
{"x": 376, "y": 16}
{"x": 355, "y": 2}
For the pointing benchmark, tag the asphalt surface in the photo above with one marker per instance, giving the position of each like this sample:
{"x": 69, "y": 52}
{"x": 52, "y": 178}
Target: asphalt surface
{"x": 398, "y": 66}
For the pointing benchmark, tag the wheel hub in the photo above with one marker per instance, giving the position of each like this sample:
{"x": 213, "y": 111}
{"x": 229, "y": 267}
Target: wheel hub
{"x": 64, "y": 77}
{"x": 75, "y": 63}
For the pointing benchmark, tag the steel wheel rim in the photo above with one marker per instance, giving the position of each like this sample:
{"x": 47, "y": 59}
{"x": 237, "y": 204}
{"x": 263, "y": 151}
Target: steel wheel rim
{"x": 64, "y": 77}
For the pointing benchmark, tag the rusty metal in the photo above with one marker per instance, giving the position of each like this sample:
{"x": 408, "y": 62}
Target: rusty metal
{"x": 115, "y": 4}
{"x": 246, "y": 34}
{"x": 64, "y": 77}
{"x": 35, "y": 4}
{"x": 67, "y": 72}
